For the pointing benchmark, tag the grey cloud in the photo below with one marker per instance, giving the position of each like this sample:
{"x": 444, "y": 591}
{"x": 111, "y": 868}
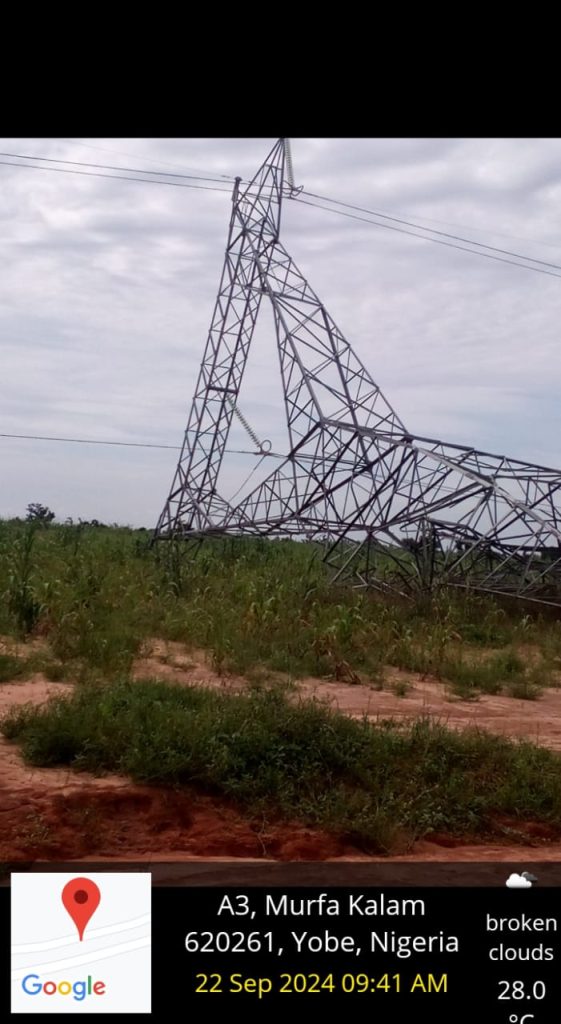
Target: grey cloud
{"x": 107, "y": 289}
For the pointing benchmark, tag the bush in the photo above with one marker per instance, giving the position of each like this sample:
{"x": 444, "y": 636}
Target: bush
{"x": 37, "y": 513}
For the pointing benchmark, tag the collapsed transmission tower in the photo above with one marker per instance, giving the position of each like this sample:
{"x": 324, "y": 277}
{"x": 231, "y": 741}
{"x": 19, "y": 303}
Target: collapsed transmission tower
{"x": 396, "y": 511}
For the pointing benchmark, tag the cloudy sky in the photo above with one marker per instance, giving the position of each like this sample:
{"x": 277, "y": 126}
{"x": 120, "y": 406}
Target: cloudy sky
{"x": 107, "y": 289}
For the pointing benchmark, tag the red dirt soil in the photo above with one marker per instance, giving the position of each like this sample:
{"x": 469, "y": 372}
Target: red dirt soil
{"x": 57, "y": 814}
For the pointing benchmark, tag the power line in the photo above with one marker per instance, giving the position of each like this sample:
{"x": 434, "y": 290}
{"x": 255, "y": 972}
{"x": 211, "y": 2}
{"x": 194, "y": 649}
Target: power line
{"x": 390, "y": 227}
{"x": 445, "y": 234}
{"x": 229, "y": 177}
{"x": 110, "y": 167}
{"x": 492, "y": 230}
{"x": 301, "y": 457}
{"x": 314, "y": 195}
{"x": 87, "y": 440}
{"x": 124, "y": 444}
{"x": 113, "y": 177}
{"x": 117, "y": 152}
{"x": 426, "y": 238}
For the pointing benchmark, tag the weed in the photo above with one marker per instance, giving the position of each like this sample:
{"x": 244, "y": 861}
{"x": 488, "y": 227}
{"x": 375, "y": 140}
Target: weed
{"x": 401, "y": 688}
{"x": 20, "y": 595}
{"x": 487, "y": 675}
{"x": 96, "y": 593}
{"x": 276, "y": 756}
{"x": 11, "y": 667}
{"x": 86, "y": 821}
{"x": 523, "y": 689}
{"x": 36, "y": 832}
{"x": 54, "y": 671}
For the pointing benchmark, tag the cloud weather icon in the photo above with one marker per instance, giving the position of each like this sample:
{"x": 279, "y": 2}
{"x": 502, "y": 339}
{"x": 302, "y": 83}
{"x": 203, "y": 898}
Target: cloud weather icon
{"x": 523, "y": 881}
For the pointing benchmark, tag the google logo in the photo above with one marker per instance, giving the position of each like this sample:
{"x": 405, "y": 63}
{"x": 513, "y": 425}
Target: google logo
{"x": 33, "y": 986}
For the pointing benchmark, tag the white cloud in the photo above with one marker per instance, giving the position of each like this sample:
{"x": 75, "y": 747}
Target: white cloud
{"x": 515, "y": 881}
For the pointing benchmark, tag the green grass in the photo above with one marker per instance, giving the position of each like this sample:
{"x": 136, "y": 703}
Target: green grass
{"x": 378, "y": 785}
{"x": 485, "y": 676}
{"x": 11, "y": 667}
{"x": 501, "y": 673}
{"x": 96, "y": 594}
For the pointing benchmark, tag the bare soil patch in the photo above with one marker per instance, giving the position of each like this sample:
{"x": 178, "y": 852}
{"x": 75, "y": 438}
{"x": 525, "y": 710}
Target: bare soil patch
{"x": 537, "y": 720}
{"x": 56, "y": 814}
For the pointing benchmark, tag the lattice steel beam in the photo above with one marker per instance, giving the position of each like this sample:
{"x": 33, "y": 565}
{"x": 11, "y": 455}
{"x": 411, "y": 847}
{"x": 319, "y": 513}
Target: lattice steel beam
{"x": 397, "y": 511}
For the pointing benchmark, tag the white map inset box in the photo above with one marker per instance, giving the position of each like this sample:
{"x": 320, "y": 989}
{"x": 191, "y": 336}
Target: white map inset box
{"x": 109, "y": 970}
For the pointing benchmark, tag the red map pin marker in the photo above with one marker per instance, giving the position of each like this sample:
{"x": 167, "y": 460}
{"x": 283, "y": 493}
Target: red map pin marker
{"x": 81, "y": 899}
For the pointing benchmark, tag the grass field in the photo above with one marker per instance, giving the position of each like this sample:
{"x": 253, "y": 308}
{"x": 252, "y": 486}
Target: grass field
{"x": 97, "y": 593}
{"x": 259, "y": 608}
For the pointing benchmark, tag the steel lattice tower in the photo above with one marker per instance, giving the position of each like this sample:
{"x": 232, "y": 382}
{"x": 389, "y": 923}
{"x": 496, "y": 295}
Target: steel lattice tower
{"x": 395, "y": 510}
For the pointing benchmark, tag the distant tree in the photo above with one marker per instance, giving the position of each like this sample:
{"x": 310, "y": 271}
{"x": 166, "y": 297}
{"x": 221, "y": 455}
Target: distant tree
{"x": 38, "y": 513}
